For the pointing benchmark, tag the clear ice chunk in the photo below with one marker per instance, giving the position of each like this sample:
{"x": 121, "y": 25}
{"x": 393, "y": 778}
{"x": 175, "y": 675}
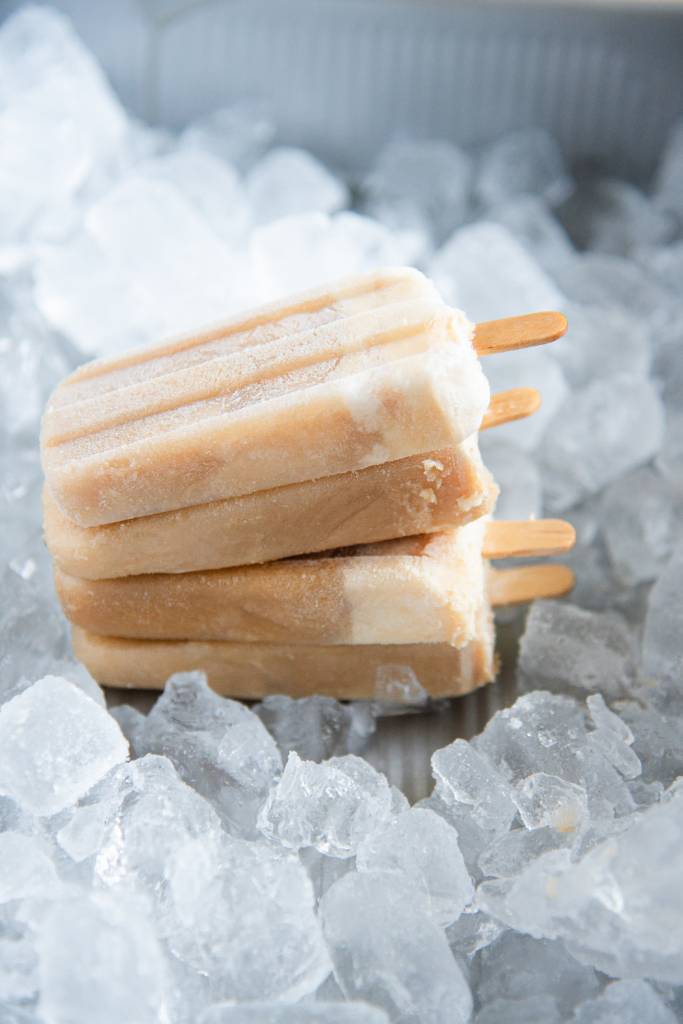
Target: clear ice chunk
{"x": 422, "y": 846}
{"x": 209, "y": 184}
{"x": 546, "y": 801}
{"x": 332, "y": 806}
{"x": 568, "y": 649}
{"x": 59, "y": 119}
{"x": 218, "y": 746}
{"x": 625, "y": 1002}
{"x": 238, "y": 134}
{"x": 640, "y": 534}
{"x": 615, "y": 217}
{"x": 519, "y": 966}
{"x": 316, "y": 727}
{"x": 288, "y": 181}
{"x": 27, "y": 870}
{"x": 243, "y": 914}
{"x": 545, "y": 732}
{"x": 154, "y": 267}
{"x": 602, "y": 343}
{"x": 483, "y": 269}
{"x": 523, "y": 369}
{"x": 463, "y": 776}
{"x": 386, "y": 948}
{"x": 298, "y": 252}
{"x": 611, "y": 913}
{"x": 527, "y": 163}
{"x": 56, "y": 744}
{"x": 100, "y": 960}
{"x": 518, "y": 477}
{"x": 601, "y": 433}
{"x": 432, "y": 174}
{"x": 662, "y": 636}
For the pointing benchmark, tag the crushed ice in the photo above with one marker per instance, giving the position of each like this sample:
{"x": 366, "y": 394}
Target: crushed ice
{"x": 215, "y": 864}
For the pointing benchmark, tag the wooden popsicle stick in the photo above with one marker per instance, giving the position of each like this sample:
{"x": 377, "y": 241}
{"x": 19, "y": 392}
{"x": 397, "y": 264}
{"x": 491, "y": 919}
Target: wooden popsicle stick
{"x": 516, "y": 586}
{"x": 506, "y": 406}
{"x": 514, "y": 332}
{"x": 527, "y": 538}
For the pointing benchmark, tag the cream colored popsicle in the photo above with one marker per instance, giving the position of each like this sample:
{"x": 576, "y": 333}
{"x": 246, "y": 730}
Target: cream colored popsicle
{"x": 418, "y": 494}
{"x": 375, "y": 371}
{"x": 251, "y": 671}
{"x": 428, "y": 589}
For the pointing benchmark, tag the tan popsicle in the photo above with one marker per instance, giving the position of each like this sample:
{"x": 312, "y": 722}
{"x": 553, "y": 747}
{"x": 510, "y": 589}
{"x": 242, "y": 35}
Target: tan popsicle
{"x": 347, "y": 672}
{"x": 256, "y": 406}
{"x": 426, "y": 589}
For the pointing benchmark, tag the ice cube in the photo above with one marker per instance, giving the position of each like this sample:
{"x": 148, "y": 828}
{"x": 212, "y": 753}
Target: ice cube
{"x": 544, "y": 732}
{"x": 432, "y": 174}
{"x": 387, "y": 949}
{"x": 463, "y": 776}
{"x": 533, "y": 368}
{"x": 298, "y": 252}
{"x": 243, "y": 914}
{"x": 545, "y": 801}
{"x": 154, "y": 267}
{"x": 658, "y": 740}
{"x": 131, "y": 826}
{"x": 611, "y": 913}
{"x": 218, "y": 746}
{"x": 640, "y": 524}
{"x": 425, "y": 849}
{"x": 602, "y": 343}
{"x": 132, "y": 723}
{"x": 530, "y": 221}
{"x": 59, "y": 119}
{"x": 527, "y": 162}
{"x": 595, "y": 279}
{"x": 519, "y": 966}
{"x": 316, "y": 727}
{"x": 625, "y": 1002}
{"x": 485, "y": 271}
{"x": 605, "y": 430}
{"x": 18, "y": 967}
{"x": 471, "y": 932}
{"x": 517, "y": 475}
{"x": 302, "y": 1013}
{"x": 56, "y": 744}
{"x": 100, "y": 960}
{"x": 238, "y": 134}
{"x": 331, "y": 806}
{"x": 511, "y": 853}
{"x": 567, "y": 649}
{"x": 209, "y": 184}
{"x": 614, "y": 217}
{"x": 289, "y": 181}
{"x": 27, "y": 871}
{"x": 663, "y": 638}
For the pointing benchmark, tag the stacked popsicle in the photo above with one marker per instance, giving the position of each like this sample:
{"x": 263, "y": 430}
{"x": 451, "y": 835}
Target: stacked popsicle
{"x": 293, "y": 501}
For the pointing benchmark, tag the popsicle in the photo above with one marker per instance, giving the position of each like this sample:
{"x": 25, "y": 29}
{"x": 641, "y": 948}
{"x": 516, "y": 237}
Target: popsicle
{"x": 374, "y": 371}
{"x": 344, "y": 671}
{"x": 418, "y": 494}
{"x": 426, "y": 589}
{"x": 251, "y": 671}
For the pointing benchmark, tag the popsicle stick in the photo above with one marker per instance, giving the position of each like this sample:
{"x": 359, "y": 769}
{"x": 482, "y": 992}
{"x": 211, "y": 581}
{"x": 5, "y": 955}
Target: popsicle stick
{"x": 527, "y": 538}
{"x": 515, "y": 586}
{"x": 506, "y": 406}
{"x": 516, "y": 332}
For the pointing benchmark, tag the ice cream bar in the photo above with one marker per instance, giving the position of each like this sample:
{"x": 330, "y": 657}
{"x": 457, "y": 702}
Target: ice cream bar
{"x": 418, "y": 494}
{"x": 359, "y": 671}
{"x": 375, "y": 371}
{"x": 427, "y": 589}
